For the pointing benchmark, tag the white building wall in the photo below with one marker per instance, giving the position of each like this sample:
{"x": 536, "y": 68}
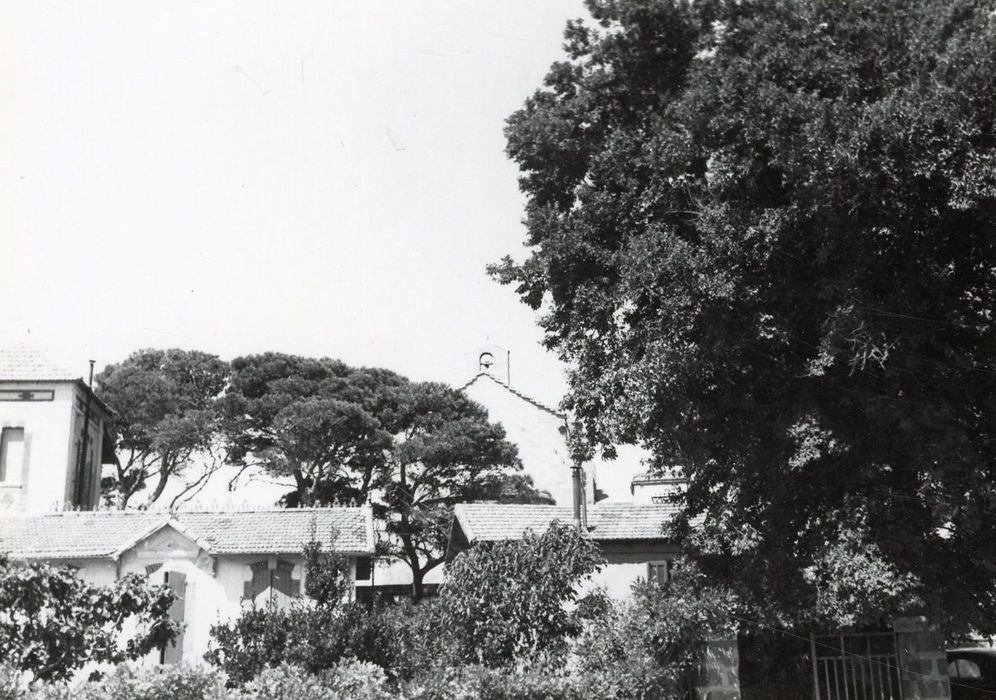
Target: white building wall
{"x": 539, "y": 435}
{"x": 52, "y": 428}
{"x": 625, "y": 566}
{"x": 41, "y": 483}
{"x": 214, "y": 584}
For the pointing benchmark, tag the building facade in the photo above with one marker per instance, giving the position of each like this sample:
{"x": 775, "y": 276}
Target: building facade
{"x": 628, "y": 536}
{"x": 218, "y": 563}
{"x": 47, "y": 461}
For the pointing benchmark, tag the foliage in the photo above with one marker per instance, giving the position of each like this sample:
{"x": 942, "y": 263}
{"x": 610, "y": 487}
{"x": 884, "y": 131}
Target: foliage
{"x": 538, "y": 683}
{"x": 317, "y": 421}
{"x": 13, "y": 681}
{"x": 257, "y": 638}
{"x": 854, "y": 583}
{"x": 345, "y": 434}
{"x": 52, "y": 622}
{"x": 164, "y": 420}
{"x": 347, "y": 681}
{"x": 326, "y": 575}
{"x": 401, "y": 639}
{"x": 144, "y": 683}
{"x": 506, "y": 600}
{"x": 651, "y": 643}
{"x": 445, "y": 451}
{"x": 762, "y": 234}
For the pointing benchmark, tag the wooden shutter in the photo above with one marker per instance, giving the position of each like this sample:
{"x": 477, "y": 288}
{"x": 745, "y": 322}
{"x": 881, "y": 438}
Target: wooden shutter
{"x": 283, "y": 580}
{"x": 363, "y": 567}
{"x": 658, "y": 572}
{"x": 260, "y": 580}
{"x": 173, "y": 653}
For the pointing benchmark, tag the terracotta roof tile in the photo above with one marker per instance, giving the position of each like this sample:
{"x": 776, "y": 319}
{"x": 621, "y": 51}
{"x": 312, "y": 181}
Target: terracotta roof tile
{"x": 103, "y": 533}
{"x": 66, "y": 535}
{"x": 282, "y": 530}
{"x": 488, "y": 522}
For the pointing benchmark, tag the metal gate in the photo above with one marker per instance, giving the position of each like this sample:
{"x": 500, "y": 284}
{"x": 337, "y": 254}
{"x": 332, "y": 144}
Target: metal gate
{"x": 855, "y": 667}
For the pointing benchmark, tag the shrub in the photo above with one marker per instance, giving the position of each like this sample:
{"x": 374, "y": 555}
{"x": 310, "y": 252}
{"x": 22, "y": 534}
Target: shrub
{"x": 418, "y": 641}
{"x": 508, "y": 600}
{"x": 326, "y": 577}
{"x": 535, "y": 683}
{"x": 13, "y": 684}
{"x": 141, "y": 683}
{"x": 402, "y": 639}
{"x": 52, "y": 622}
{"x": 649, "y": 645}
{"x": 258, "y": 638}
{"x": 351, "y": 680}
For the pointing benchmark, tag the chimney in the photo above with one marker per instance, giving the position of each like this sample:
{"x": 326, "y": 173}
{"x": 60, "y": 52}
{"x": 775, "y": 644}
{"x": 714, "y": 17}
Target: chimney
{"x": 578, "y": 496}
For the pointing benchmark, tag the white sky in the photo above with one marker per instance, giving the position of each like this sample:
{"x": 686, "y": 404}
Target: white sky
{"x": 322, "y": 178}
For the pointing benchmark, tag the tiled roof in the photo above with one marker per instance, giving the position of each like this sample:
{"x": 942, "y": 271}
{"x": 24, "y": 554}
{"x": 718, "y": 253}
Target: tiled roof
{"x": 65, "y": 535}
{"x": 28, "y": 364}
{"x": 283, "y": 530}
{"x": 108, "y": 533}
{"x": 488, "y": 522}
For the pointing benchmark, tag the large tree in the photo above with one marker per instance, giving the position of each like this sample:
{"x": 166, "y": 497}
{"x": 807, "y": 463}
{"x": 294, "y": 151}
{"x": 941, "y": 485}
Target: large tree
{"x": 763, "y": 234}
{"x": 348, "y": 436}
{"x": 444, "y": 451}
{"x": 164, "y": 422}
{"x": 318, "y": 422}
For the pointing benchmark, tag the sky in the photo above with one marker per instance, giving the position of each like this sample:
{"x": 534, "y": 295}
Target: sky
{"x": 320, "y": 178}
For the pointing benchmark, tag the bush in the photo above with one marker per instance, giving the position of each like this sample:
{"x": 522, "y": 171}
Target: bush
{"x": 507, "y": 600}
{"x": 13, "y": 683}
{"x": 53, "y": 623}
{"x": 536, "y": 683}
{"x": 650, "y": 645}
{"x": 400, "y": 639}
{"x": 350, "y": 680}
{"x": 130, "y": 683}
{"x": 259, "y": 637}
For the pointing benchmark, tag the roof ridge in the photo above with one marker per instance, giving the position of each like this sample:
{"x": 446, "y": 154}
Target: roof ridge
{"x": 515, "y": 392}
{"x": 170, "y": 513}
{"x": 313, "y": 509}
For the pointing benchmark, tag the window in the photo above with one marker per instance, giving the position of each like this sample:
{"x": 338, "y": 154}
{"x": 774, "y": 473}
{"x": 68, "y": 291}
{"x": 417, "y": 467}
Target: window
{"x": 659, "y": 571}
{"x": 963, "y": 668}
{"x": 11, "y": 455}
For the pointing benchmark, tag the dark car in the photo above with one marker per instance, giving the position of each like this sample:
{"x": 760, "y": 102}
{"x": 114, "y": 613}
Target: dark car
{"x": 972, "y": 673}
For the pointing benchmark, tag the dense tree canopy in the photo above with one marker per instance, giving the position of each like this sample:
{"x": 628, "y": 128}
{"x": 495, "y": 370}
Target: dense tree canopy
{"x": 763, "y": 234}
{"x": 348, "y": 435}
{"x": 165, "y": 419}
{"x": 445, "y": 451}
{"x": 316, "y": 420}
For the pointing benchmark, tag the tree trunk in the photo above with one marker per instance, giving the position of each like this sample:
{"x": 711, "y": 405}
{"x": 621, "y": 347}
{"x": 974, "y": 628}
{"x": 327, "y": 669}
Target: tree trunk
{"x": 304, "y": 498}
{"x": 166, "y": 466}
{"x": 418, "y": 589}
